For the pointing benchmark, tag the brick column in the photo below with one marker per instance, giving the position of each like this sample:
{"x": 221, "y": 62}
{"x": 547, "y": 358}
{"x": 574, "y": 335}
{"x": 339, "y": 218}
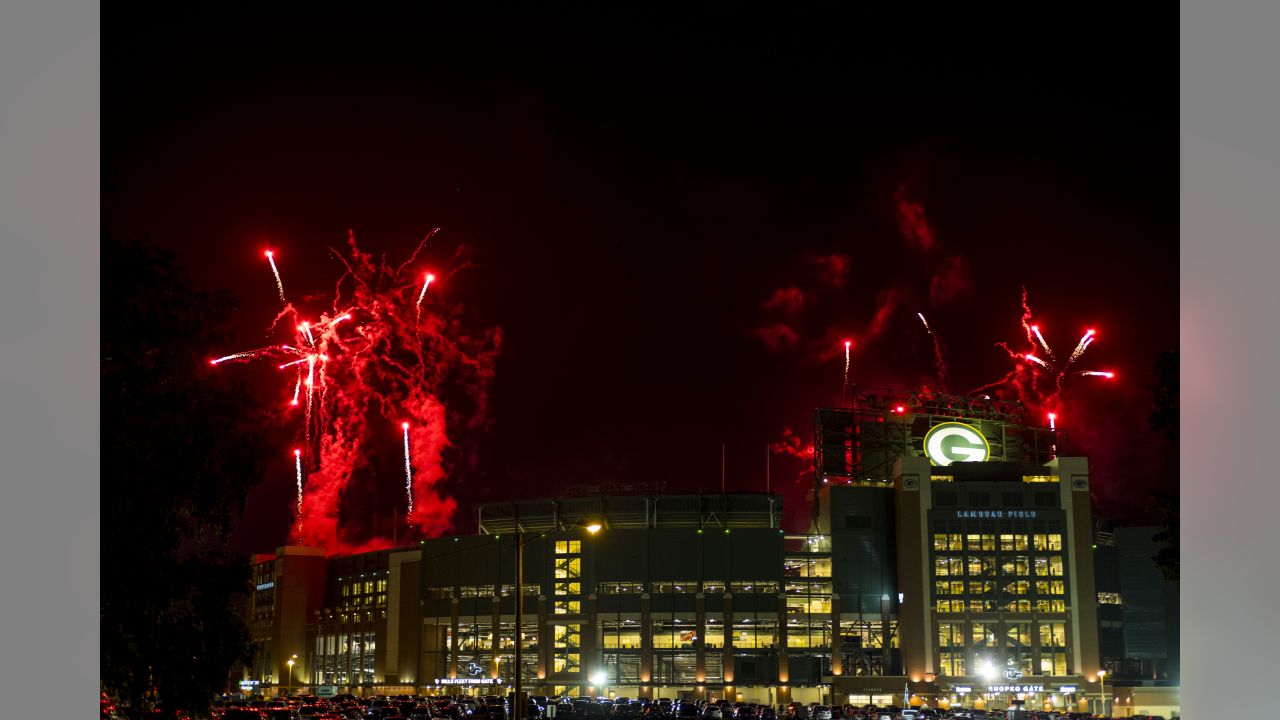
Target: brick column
{"x": 496, "y": 625}
{"x": 700, "y": 669}
{"x": 727, "y": 655}
{"x": 837, "y": 657}
{"x": 784, "y": 671}
{"x": 451, "y": 662}
{"x": 646, "y": 640}
{"x": 546, "y": 643}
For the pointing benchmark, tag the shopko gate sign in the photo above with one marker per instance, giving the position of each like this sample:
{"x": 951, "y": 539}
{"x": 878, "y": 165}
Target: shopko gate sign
{"x": 950, "y": 442}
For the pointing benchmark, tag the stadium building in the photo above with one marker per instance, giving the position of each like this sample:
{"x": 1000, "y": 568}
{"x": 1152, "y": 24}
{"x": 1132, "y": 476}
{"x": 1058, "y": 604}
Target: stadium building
{"x": 948, "y": 560}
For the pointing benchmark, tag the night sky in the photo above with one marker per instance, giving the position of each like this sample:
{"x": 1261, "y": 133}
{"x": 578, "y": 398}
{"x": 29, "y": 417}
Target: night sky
{"x": 676, "y": 220}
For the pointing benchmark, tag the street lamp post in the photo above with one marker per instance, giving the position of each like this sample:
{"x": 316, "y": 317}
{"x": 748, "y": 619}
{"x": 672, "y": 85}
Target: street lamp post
{"x": 1102, "y": 690}
{"x": 289, "y": 685}
{"x": 517, "y": 712}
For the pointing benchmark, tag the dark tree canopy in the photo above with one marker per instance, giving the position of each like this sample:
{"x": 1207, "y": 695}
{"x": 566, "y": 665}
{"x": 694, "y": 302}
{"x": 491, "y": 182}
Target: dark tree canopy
{"x": 180, "y": 451}
{"x": 1164, "y": 421}
{"x": 1164, "y": 396}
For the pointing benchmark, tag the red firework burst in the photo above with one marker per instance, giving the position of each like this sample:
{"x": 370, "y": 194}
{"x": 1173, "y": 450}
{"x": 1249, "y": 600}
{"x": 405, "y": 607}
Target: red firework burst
{"x": 387, "y": 354}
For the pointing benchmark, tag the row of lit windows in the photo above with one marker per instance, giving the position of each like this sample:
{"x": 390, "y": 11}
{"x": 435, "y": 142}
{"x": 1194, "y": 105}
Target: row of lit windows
{"x": 1017, "y": 634}
{"x": 484, "y": 591}
{"x": 807, "y": 567}
{"x": 352, "y": 615}
{"x": 566, "y": 639}
{"x": 1109, "y": 598}
{"x": 1025, "y": 478}
{"x": 1016, "y": 587}
{"x": 981, "y": 566}
{"x": 954, "y": 664}
{"x": 568, "y": 547}
{"x": 478, "y": 636}
{"x": 567, "y": 588}
{"x": 343, "y": 658}
{"x": 760, "y": 632}
{"x": 566, "y": 644}
{"x": 811, "y": 605}
{"x": 1043, "y": 605}
{"x": 1007, "y": 542}
{"x": 364, "y": 587}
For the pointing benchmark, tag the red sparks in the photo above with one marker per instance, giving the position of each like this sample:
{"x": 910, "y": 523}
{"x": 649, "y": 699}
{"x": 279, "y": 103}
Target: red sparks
{"x": 390, "y": 363}
{"x": 1027, "y": 379}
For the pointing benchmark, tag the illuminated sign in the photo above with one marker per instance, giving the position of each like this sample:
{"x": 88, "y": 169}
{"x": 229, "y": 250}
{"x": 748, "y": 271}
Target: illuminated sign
{"x": 995, "y": 513}
{"x": 1067, "y": 689}
{"x": 264, "y": 586}
{"x": 1015, "y": 688}
{"x": 248, "y": 685}
{"x": 1012, "y": 673}
{"x": 468, "y": 681}
{"x": 950, "y": 442}
{"x": 962, "y": 689}
{"x": 473, "y": 669}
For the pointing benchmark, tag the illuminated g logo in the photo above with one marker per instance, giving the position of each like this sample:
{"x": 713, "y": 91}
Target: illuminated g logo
{"x": 950, "y": 442}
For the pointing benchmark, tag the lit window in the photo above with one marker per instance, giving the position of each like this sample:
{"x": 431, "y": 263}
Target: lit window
{"x": 950, "y": 635}
{"x": 1109, "y": 598}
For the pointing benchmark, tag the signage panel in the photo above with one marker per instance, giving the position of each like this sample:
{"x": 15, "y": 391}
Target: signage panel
{"x": 468, "y": 681}
{"x": 1015, "y": 688}
{"x": 950, "y": 442}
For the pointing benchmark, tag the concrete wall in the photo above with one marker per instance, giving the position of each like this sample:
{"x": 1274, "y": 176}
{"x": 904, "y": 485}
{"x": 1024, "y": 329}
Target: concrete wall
{"x": 913, "y": 489}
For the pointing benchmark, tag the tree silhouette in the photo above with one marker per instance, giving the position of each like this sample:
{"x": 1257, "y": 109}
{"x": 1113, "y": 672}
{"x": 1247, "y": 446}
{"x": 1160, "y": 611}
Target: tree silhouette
{"x": 1164, "y": 421}
{"x": 179, "y": 454}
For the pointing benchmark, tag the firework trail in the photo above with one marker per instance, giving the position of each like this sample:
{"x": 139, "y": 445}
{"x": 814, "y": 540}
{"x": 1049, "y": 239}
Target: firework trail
{"x": 1036, "y": 360}
{"x": 311, "y": 392}
{"x": 234, "y": 356}
{"x": 1031, "y": 369}
{"x": 847, "y": 344}
{"x": 297, "y": 462}
{"x": 1085, "y": 341}
{"x": 408, "y": 469}
{"x": 373, "y": 359}
{"x": 1047, "y": 350}
{"x": 426, "y": 283}
{"x": 939, "y": 360}
{"x": 279, "y": 283}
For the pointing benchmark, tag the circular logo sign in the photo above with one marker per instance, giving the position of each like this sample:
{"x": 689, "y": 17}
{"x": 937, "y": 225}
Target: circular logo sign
{"x": 950, "y": 442}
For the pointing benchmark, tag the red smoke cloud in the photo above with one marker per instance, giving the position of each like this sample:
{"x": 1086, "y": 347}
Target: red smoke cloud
{"x": 389, "y": 353}
{"x": 912, "y": 223}
{"x": 792, "y": 445}
{"x": 832, "y": 268}
{"x": 886, "y": 304}
{"x": 950, "y": 282}
{"x": 787, "y": 300}
{"x": 778, "y": 336}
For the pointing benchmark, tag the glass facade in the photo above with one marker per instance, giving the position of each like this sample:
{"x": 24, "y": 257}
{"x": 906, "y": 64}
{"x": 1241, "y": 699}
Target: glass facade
{"x": 675, "y": 609}
{"x": 1009, "y": 568}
